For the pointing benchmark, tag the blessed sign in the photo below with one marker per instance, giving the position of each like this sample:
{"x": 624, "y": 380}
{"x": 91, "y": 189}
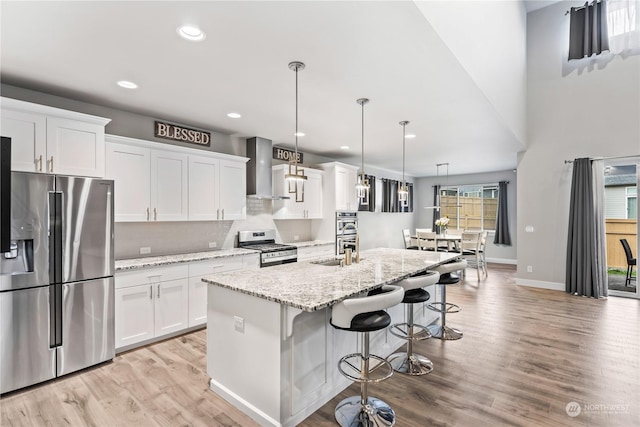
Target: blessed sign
{"x": 183, "y": 134}
{"x": 286, "y": 155}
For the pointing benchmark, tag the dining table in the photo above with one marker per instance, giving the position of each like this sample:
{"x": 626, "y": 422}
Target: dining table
{"x": 451, "y": 239}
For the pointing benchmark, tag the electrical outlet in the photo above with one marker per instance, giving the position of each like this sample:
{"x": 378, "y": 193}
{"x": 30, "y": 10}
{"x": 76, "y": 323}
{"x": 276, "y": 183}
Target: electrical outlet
{"x": 529, "y": 269}
{"x": 296, "y": 237}
{"x": 238, "y": 323}
{"x": 212, "y": 245}
{"x": 145, "y": 250}
{"x": 529, "y": 229}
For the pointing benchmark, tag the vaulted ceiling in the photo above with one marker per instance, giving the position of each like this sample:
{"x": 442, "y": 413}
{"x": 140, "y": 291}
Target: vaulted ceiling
{"x": 407, "y": 57}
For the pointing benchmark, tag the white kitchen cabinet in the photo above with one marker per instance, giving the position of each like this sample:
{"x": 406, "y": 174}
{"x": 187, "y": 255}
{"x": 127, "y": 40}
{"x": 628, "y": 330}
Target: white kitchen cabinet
{"x": 174, "y": 183}
{"x": 345, "y": 187}
{"x": 150, "y": 303}
{"x": 169, "y": 186}
{"x": 130, "y": 167}
{"x": 50, "y": 140}
{"x": 310, "y": 208}
{"x": 233, "y": 189}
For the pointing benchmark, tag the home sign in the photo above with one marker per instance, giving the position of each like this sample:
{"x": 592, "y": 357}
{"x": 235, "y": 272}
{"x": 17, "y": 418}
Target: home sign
{"x": 286, "y": 155}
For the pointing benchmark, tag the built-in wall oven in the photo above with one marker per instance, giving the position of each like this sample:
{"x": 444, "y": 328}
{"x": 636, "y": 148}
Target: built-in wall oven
{"x": 264, "y": 241}
{"x": 346, "y": 230}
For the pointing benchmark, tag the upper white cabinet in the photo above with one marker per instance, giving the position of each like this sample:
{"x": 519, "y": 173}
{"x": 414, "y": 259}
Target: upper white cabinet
{"x": 174, "y": 183}
{"x": 50, "y": 140}
{"x": 340, "y": 186}
{"x": 310, "y": 208}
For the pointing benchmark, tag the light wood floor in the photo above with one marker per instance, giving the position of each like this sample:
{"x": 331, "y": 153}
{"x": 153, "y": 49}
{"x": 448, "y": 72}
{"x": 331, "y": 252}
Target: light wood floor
{"x": 525, "y": 355}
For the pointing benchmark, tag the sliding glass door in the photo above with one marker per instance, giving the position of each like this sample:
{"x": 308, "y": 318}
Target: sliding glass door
{"x": 621, "y": 179}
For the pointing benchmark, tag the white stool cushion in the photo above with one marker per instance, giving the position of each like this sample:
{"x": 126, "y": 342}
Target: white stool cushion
{"x": 343, "y": 312}
{"x": 421, "y": 281}
{"x": 450, "y": 267}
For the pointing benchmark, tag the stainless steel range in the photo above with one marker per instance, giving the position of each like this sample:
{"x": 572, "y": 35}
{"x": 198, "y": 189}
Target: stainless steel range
{"x": 271, "y": 253}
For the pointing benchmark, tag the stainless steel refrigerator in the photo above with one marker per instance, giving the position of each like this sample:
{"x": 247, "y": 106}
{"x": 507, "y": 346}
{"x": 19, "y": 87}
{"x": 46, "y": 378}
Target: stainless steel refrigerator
{"x": 56, "y": 280}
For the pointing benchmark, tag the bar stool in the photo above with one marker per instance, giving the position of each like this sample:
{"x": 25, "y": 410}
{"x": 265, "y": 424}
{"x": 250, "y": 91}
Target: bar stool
{"x": 409, "y": 362}
{"x": 447, "y": 277}
{"x": 365, "y": 314}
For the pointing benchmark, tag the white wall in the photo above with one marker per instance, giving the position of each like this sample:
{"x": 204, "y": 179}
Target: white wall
{"x": 424, "y": 217}
{"x": 583, "y": 108}
{"x": 488, "y": 38}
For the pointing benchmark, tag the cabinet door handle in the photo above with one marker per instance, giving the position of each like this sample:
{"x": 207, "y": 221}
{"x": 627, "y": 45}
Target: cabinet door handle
{"x": 150, "y": 292}
{"x": 222, "y": 213}
{"x": 158, "y": 290}
{"x": 40, "y": 163}
{"x": 51, "y": 165}
{"x": 155, "y": 214}
{"x": 147, "y": 214}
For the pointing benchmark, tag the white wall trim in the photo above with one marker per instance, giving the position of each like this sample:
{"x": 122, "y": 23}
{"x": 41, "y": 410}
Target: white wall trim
{"x": 554, "y": 286}
{"x": 503, "y": 261}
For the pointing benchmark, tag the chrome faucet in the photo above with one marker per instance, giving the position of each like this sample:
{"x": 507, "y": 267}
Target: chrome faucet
{"x": 348, "y": 253}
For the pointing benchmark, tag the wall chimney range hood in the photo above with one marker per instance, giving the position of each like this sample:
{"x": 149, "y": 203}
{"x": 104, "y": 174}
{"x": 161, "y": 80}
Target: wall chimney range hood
{"x": 259, "y": 185}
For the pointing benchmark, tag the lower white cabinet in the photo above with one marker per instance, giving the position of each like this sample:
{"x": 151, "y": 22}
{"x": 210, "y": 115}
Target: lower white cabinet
{"x": 150, "y": 303}
{"x": 157, "y": 301}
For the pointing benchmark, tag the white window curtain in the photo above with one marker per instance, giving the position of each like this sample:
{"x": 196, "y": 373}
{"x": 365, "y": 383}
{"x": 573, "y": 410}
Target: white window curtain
{"x": 623, "y": 23}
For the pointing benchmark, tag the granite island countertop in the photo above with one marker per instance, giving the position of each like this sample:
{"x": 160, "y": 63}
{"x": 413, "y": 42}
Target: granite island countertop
{"x": 157, "y": 261}
{"x": 309, "y": 286}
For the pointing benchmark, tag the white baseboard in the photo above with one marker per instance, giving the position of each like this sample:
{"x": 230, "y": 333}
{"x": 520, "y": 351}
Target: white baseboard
{"x": 555, "y": 286}
{"x": 240, "y": 403}
{"x": 503, "y": 261}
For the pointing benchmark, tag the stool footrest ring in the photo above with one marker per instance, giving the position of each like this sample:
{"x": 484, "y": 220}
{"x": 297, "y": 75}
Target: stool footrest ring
{"x": 401, "y": 330}
{"x": 380, "y": 372}
{"x": 445, "y": 307}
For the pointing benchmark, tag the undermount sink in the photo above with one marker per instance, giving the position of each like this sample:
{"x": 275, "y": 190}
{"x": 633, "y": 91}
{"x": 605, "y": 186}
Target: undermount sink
{"x": 332, "y": 262}
{"x": 328, "y": 262}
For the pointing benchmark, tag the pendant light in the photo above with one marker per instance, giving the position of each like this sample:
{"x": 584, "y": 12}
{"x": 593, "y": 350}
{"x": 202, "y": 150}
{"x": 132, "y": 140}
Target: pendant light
{"x": 437, "y": 206}
{"x": 362, "y": 186}
{"x": 403, "y": 191}
{"x": 296, "y": 176}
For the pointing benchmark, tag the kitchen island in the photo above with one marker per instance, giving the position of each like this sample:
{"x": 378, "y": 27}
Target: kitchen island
{"x": 271, "y": 350}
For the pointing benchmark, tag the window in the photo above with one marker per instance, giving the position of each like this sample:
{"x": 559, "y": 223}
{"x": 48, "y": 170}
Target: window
{"x": 623, "y": 25}
{"x": 470, "y": 207}
{"x": 631, "y": 194}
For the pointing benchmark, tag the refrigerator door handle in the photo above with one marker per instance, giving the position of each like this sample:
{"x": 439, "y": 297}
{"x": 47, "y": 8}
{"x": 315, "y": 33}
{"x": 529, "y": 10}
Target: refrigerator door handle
{"x": 55, "y": 315}
{"x": 55, "y": 237}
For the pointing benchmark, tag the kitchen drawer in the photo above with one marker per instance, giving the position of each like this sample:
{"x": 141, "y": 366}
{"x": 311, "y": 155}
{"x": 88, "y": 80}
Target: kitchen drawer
{"x": 145, "y": 276}
{"x": 220, "y": 265}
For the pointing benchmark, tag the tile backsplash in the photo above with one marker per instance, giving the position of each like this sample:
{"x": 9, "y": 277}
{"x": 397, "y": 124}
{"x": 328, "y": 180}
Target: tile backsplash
{"x": 166, "y": 238}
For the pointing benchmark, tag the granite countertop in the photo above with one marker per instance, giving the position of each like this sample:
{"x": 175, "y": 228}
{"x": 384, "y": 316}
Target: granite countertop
{"x": 156, "y": 261}
{"x": 310, "y": 287}
{"x": 310, "y": 243}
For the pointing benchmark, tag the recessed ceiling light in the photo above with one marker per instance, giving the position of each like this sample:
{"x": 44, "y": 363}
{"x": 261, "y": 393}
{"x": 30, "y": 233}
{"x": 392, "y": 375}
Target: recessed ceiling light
{"x": 298, "y": 134}
{"x": 191, "y": 33}
{"x": 127, "y": 84}
{"x": 410, "y": 136}
{"x": 234, "y": 115}
{"x": 344, "y": 147}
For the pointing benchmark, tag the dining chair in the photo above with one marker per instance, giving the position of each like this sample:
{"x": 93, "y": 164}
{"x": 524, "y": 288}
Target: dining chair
{"x": 470, "y": 248}
{"x": 409, "y": 243}
{"x": 426, "y": 240}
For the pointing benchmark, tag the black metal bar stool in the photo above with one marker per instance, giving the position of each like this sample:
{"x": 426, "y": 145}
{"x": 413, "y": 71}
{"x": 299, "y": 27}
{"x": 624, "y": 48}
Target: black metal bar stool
{"x": 408, "y": 362}
{"x": 447, "y": 277}
{"x": 365, "y": 314}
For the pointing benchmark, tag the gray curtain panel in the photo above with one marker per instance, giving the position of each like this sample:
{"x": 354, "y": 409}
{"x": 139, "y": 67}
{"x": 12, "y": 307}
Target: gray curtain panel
{"x": 436, "y": 202}
{"x": 588, "y": 32}
{"x": 389, "y": 195}
{"x": 502, "y": 237}
{"x": 582, "y": 276}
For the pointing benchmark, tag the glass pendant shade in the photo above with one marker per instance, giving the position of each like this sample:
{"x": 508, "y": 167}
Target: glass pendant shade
{"x": 296, "y": 176}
